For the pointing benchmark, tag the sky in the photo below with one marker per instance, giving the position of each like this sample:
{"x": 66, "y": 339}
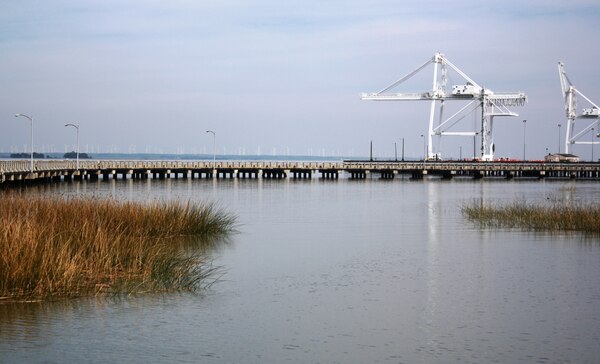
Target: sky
{"x": 281, "y": 77}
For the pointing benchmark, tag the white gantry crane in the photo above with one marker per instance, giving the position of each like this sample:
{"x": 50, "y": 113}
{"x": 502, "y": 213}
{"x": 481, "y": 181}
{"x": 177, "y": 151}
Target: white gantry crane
{"x": 570, "y": 94}
{"x": 491, "y": 105}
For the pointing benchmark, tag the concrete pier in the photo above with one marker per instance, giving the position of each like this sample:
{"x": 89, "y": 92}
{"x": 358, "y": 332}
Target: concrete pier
{"x": 18, "y": 171}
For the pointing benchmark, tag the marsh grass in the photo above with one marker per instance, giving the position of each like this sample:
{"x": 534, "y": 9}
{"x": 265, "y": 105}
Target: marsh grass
{"x": 57, "y": 247}
{"x": 581, "y": 218}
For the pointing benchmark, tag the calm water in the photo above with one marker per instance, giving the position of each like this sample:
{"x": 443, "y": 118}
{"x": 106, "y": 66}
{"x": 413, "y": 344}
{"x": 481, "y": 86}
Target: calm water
{"x": 343, "y": 272}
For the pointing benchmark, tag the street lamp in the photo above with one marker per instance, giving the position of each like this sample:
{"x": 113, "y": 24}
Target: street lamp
{"x": 402, "y": 149}
{"x": 214, "y": 148}
{"x": 424, "y": 151}
{"x": 558, "y": 138}
{"x": 592, "y": 144}
{"x": 31, "y": 123}
{"x": 77, "y": 155}
{"x": 524, "y": 125}
{"x": 395, "y": 152}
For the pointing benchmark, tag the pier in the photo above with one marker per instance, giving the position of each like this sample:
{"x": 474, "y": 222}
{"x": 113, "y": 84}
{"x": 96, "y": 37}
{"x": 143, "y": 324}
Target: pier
{"x": 19, "y": 171}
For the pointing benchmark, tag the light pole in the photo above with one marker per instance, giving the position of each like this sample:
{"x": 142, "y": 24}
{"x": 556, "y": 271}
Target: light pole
{"x": 77, "y": 155}
{"x": 524, "y": 125}
{"x": 592, "y": 144}
{"x": 558, "y": 138}
{"x": 424, "y": 151}
{"x": 31, "y": 123}
{"x": 402, "y": 149}
{"x": 214, "y": 148}
{"x": 395, "y": 152}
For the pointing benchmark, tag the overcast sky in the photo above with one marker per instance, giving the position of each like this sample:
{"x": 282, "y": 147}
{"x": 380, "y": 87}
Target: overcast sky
{"x": 280, "y": 76}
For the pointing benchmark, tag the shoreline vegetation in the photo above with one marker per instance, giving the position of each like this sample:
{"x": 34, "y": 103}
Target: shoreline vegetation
{"x": 577, "y": 218}
{"x": 70, "y": 247}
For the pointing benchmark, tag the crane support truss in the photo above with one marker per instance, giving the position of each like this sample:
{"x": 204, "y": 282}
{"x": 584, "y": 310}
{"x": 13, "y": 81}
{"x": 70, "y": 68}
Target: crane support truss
{"x": 491, "y": 104}
{"x": 570, "y": 94}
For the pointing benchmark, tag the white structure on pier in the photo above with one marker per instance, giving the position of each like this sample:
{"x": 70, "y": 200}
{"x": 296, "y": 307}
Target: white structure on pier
{"x": 592, "y": 113}
{"x": 490, "y": 103}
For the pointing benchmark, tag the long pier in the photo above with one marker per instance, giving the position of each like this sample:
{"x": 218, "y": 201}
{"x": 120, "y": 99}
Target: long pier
{"x": 19, "y": 171}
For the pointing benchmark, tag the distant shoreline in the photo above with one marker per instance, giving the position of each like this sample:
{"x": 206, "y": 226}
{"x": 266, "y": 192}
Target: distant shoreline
{"x": 227, "y": 157}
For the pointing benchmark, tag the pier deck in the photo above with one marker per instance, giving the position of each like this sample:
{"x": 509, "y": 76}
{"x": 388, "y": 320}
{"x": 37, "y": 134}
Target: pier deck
{"x": 18, "y": 171}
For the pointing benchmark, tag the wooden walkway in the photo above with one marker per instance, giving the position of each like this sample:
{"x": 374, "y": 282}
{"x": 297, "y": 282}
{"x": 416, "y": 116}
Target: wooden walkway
{"x": 18, "y": 171}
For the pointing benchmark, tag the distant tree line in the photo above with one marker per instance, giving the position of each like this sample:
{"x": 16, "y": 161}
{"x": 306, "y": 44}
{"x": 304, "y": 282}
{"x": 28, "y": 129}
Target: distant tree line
{"x": 28, "y": 155}
{"x": 69, "y": 155}
{"x": 73, "y": 155}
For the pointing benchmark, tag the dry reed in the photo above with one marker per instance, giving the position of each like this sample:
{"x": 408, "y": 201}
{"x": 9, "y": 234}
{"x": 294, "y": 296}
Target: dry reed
{"x": 582, "y": 218}
{"x": 56, "y": 247}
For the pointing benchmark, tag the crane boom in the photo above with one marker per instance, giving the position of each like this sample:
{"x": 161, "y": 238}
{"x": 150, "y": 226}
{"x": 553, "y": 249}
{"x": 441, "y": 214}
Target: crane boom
{"x": 506, "y": 99}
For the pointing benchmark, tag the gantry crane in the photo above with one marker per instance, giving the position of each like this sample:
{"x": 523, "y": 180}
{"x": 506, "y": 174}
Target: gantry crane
{"x": 570, "y": 94}
{"x": 491, "y": 105}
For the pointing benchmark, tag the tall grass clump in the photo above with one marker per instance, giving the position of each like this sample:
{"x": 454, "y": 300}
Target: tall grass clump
{"x": 56, "y": 247}
{"x": 582, "y": 218}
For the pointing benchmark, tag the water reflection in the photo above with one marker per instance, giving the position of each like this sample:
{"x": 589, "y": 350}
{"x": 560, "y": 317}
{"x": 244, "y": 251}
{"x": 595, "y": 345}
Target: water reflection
{"x": 346, "y": 271}
{"x": 33, "y": 322}
{"x": 433, "y": 241}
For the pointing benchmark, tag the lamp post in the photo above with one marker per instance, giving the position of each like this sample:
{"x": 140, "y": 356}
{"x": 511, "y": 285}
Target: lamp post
{"x": 424, "y": 151}
{"x": 558, "y": 138}
{"x": 76, "y": 126}
{"x": 592, "y": 144}
{"x": 31, "y": 124}
{"x": 214, "y": 148}
{"x": 402, "y": 149}
{"x": 395, "y": 152}
{"x": 524, "y": 125}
